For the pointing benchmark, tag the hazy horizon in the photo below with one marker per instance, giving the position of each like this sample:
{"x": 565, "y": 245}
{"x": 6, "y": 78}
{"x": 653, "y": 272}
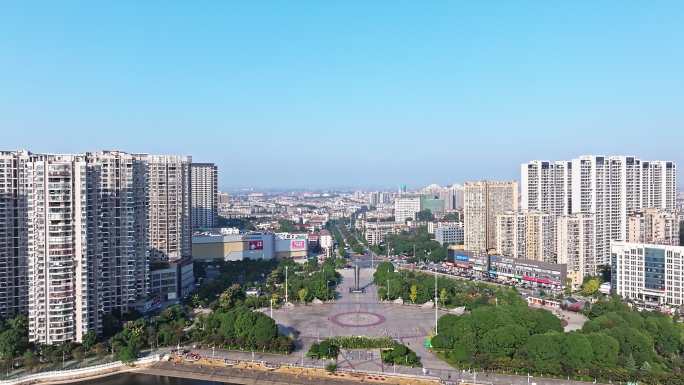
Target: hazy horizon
{"x": 315, "y": 95}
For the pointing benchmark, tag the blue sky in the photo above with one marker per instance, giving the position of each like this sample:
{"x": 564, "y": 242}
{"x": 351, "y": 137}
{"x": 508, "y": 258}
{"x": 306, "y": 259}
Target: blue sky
{"x": 353, "y": 93}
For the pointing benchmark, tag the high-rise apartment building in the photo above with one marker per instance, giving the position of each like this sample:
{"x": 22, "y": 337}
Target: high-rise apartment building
{"x": 117, "y": 237}
{"x": 654, "y": 226}
{"x": 170, "y": 201}
{"x": 204, "y": 185}
{"x": 74, "y": 237}
{"x": 483, "y": 201}
{"x": 453, "y": 197}
{"x": 406, "y": 207}
{"x": 659, "y": 185}
{"x": 610, "y": 188}
{"x": 546, "y": 187}
{"x": 527, "y": 235}
{"x": 14, "y": 243}
{"x": 61, "y": 278}
{"x": 575, "y": 245}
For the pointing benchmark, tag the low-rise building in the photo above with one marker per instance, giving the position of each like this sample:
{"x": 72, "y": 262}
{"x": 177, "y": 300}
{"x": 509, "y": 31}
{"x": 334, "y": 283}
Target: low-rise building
{"x": 325, "y": 241}
{"x": 648, "y": 273}
{"x": 376, "y": 232}
{"x": 253, "y": 245}
{"x": 171, "y": 281}
{"x": 530, "y": 272}
{"x": 451, "y": 233}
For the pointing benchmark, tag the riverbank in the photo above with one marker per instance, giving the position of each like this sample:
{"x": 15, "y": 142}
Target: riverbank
{"x": 78, "y": 375}
{"x": 254, "y": 373}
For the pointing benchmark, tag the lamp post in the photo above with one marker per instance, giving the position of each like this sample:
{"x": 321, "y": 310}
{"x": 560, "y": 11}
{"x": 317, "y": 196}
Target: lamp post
{"x": 286, "y": 285}
{"x": 436, "y": 306}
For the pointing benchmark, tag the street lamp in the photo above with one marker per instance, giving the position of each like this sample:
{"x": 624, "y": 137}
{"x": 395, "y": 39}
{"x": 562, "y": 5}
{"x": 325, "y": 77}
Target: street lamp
{"x": 286, "y": 285}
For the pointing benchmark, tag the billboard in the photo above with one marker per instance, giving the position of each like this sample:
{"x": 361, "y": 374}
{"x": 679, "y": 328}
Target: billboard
{"x": 256, "y": 245}
{"x": 298, "y": 244}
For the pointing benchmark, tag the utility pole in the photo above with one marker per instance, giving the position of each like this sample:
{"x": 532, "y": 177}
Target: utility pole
{"x": 286, "y": 285}
{"x": 436, "y": 305}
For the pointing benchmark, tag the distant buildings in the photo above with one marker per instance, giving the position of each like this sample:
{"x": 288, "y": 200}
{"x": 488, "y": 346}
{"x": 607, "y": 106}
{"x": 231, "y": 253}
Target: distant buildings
{"x": 376, "y": 232}
{"x": 377, "y": 198}
{"x": 483, "y": 201}
{"x": 648, "y": 273}
{"x": 432, "y": 203}
{"x": 326, "y": 242}
{"x": 452, "y": 197}
{"x": 406, "y": 207}
{"x": 204, "y": 195}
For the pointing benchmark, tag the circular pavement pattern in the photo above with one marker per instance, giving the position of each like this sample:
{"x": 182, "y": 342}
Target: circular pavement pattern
{"x": 355, "y": 319}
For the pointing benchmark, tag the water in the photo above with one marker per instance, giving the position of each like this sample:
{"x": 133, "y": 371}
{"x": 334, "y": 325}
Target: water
{"x": 144, "y": 379}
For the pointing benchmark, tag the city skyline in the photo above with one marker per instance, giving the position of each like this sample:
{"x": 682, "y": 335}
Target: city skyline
{"x": 416, "y": 89}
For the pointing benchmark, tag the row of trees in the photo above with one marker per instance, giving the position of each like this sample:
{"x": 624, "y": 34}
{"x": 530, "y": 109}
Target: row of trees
{"x": 419, "y": 288}
{"x": 333, "y": 228}
{"x": 353, "y": 241}
{"x": 418, "y": 241}
{"x": 616, "y": 344}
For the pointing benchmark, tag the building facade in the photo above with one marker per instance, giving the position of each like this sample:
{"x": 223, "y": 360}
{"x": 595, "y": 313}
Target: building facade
{"x": 527, "y": 235}
{"x": 483, "y": 201}
{"x": 74, "y": 239}
{"x": 204, "y": 197}
{"x": 609, "y": 187}
{"x": 575, "y": 246}
{"x": 406, "y": 207}
{"x": 546, "y": 187}
{"x": 654, "y": 226}
{"x": 14, "y": 242}
{"x": 451, "y": 233}
{"x": 650, "y": 274}
{"x": 169, "y": 202}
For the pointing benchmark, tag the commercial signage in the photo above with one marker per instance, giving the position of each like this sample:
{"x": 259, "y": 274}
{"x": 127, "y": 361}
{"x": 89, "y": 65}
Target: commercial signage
{"x": 462, "y": 258}
{"x": 256, "y": 245}
{"x": 298, "y": 244}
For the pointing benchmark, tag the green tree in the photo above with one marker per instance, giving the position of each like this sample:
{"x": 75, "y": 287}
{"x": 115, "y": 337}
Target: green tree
{"x": 89, "y": 340}
{"x": 302, "y": 293}
{"x": 503, "y": 341}
{"x": 413, "y": 295}
{"x": 231, "y": 296}
{"x": 543, "y": 353}
{"x": 443, "y": 296}
{"x": 577, "y": 352}
{"x": 605, "y": 349}
{"x": 590, "y": 286}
